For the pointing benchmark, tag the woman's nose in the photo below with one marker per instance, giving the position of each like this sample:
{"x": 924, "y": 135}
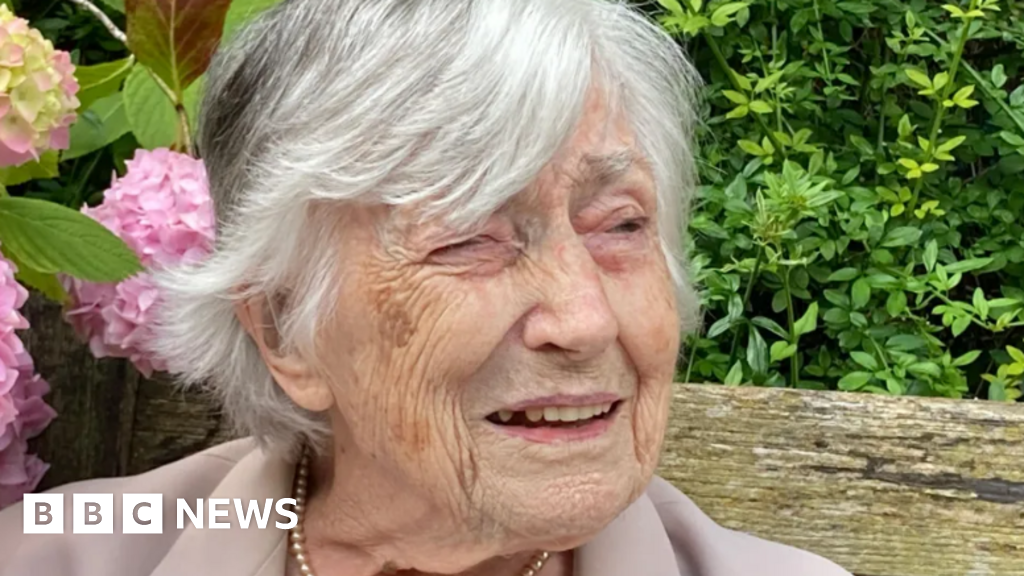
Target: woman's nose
{"x": 574, "y": 315}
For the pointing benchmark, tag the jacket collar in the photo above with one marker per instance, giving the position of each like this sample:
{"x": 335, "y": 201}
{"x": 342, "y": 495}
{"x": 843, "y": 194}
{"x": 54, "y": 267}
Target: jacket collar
{"x": 634, "y": 543}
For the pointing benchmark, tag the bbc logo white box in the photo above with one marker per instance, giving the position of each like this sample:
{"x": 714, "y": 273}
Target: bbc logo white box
{"x": 43, "y": 514}
{"x": 93, "y": 513}
{"x": 142, "y": 514}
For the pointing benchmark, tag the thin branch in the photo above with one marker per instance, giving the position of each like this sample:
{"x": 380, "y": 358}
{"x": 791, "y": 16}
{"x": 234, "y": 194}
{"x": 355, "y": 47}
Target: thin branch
{"x": 107, "y": 23}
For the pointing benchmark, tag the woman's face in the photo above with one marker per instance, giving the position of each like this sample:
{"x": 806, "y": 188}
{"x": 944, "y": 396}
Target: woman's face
{"x": 519, "y": 378}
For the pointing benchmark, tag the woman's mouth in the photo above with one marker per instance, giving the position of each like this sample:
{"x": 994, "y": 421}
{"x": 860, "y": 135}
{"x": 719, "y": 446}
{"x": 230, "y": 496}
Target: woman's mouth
{"x": 556, "y": 423}
{"x": 553, "y": 416}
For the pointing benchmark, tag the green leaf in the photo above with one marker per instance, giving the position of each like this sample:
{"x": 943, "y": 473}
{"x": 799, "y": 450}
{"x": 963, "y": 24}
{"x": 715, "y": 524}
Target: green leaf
{"x": 960, "y": 324}
{"x": 967, "y": 358}
{"x": 856, "y": 7}
{"x": 44, "y": 168}
{"x": 931, "y": 254}
{"x": 720, "y": 326}
{"x": 906, "y": 342}
{"x": 738, "y": 112}
{"x": 962, "y": 97}
{"x": 919, "y": 77}
{"x": 843, "y": 275}
{"x": 837, "y": 316}
{"x": 1015, "y": 353}
{"x": 954, "y": 10}
{"x": 904, "y": 127}
{"x": 101, "y": 80}
{"x": 757, "y": 352}
{"x": 997, "y": 391}
{"x": 175, "y": 38}
{"x": 751, "y": 148}
{"x": 1011, "y": 138}
{"x": 854, "y": 381}
{"x": 781, "y": 350}
{"x": 808, "y": 322}
{"x": 761, "y": 107}
{"x": 98, "y": 126}
{"x": 864, "y": 359}
{"x": 150, "y": 113}
{"x": 940, "y": 80}
{"x": 47, "y": 284}
{"x": 952, "y": 143}
{"x": 670, "y": 5}
{"x": 901, "y": 236}
{"x": 771, "y": 325}
{"x": 896, "y": 303}
{"x": 51, "y": 239}
{"x": 998, "y": 76}
{"x": 723, "y": 15}
{"x": 926, "y": 368}
{"x": 767, "y": 82}
{"x": 735, "y": 97}
{"x": 742, "y": 80}
{"x": 735, "y": 375}
{"x": 860, "y": 293}
{"x": 1003, "y": 302}
{"x": 968, "y": 265}
{"x": 979, "y": 302}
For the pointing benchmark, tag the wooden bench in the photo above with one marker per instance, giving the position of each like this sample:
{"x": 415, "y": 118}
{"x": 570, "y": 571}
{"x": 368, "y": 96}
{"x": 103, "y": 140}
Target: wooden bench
{"x": 883, "y": 486}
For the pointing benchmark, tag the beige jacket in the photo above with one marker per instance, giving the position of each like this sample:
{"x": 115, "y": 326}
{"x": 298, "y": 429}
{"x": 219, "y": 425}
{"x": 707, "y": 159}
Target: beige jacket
{"x": 661, "y": 534}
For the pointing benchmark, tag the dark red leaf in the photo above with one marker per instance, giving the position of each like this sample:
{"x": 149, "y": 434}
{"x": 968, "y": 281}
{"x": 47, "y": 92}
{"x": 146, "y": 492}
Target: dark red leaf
{"x": 175, "y": 38}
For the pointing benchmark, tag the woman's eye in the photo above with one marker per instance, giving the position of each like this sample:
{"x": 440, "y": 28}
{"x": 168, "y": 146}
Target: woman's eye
{"x": 463, "y": 245}
{"x": 629, "y": 226}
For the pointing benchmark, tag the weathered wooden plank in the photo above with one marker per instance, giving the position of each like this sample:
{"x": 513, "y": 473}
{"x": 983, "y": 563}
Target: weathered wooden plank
{"x": 94, "y": 399}
{"x": 171, "y": 423}
{"x": 883, "y": 486}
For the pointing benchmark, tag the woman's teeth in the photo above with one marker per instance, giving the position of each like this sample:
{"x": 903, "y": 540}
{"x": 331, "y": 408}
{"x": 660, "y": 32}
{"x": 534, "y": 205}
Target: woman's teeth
{"x": 556, "y": 413}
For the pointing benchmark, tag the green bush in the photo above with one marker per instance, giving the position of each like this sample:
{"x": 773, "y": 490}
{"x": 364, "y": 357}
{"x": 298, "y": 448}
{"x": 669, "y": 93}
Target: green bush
{"x": 861, "y": 220}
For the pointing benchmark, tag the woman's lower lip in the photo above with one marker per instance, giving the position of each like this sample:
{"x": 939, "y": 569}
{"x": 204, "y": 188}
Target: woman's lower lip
{"x": 553, "y": 434}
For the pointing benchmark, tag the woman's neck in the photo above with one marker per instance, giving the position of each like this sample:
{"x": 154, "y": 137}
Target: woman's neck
{"x": 360, "y": 521}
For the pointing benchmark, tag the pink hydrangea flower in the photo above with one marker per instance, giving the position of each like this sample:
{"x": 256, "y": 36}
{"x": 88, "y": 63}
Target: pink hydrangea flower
{"x": 23, "y": 413}
{"x": 161, "y": 208}
{"x": 37, "y": 92}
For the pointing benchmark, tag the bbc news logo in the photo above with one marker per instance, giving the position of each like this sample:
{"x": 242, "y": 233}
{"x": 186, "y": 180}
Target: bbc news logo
{"x": 143, "y": 513}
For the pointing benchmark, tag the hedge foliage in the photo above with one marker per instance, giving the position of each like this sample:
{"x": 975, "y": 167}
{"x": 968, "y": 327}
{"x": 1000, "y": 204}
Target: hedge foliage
{"x": 861, "y": 220}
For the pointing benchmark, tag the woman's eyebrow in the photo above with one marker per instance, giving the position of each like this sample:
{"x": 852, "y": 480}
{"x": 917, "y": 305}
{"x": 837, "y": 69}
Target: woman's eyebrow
{"x": 598, "y": 170}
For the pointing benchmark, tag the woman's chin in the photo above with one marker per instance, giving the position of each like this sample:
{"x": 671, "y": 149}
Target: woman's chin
{"x": 556, "y": 518}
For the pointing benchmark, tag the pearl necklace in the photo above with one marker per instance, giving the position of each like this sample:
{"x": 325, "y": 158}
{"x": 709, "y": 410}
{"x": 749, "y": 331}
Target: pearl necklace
{"x": 298, "y": 538}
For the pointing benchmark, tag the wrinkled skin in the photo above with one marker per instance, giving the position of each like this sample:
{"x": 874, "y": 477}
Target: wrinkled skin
{"x": 563, "y": 290}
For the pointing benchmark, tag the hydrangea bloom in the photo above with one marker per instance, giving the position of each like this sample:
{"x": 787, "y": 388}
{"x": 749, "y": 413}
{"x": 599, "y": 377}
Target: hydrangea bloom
{"x": 161, "y": 208}
{"x": 23, "y": 413}
{"x": 37, "y": 92}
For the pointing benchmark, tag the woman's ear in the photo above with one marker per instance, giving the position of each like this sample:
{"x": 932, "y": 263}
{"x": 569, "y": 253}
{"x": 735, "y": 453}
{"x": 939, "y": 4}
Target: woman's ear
{"x": 293, "y": 373}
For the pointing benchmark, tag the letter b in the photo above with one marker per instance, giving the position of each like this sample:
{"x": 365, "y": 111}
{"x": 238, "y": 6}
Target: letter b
{"x": 93, "y": 513}
{"x": 43, "y": 514}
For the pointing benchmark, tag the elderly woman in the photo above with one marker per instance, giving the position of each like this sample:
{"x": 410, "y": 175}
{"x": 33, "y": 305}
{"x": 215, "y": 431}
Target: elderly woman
{"x": 445, "y": 305}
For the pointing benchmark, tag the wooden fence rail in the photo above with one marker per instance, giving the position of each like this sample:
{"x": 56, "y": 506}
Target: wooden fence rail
{"x": 883, "y": 486}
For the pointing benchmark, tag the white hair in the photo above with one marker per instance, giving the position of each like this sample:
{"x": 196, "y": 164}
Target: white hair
{"x": 457, "y": 104}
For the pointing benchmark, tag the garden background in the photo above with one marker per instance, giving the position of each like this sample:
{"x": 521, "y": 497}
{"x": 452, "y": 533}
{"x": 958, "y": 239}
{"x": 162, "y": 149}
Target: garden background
{"x": 859, "y": 224}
